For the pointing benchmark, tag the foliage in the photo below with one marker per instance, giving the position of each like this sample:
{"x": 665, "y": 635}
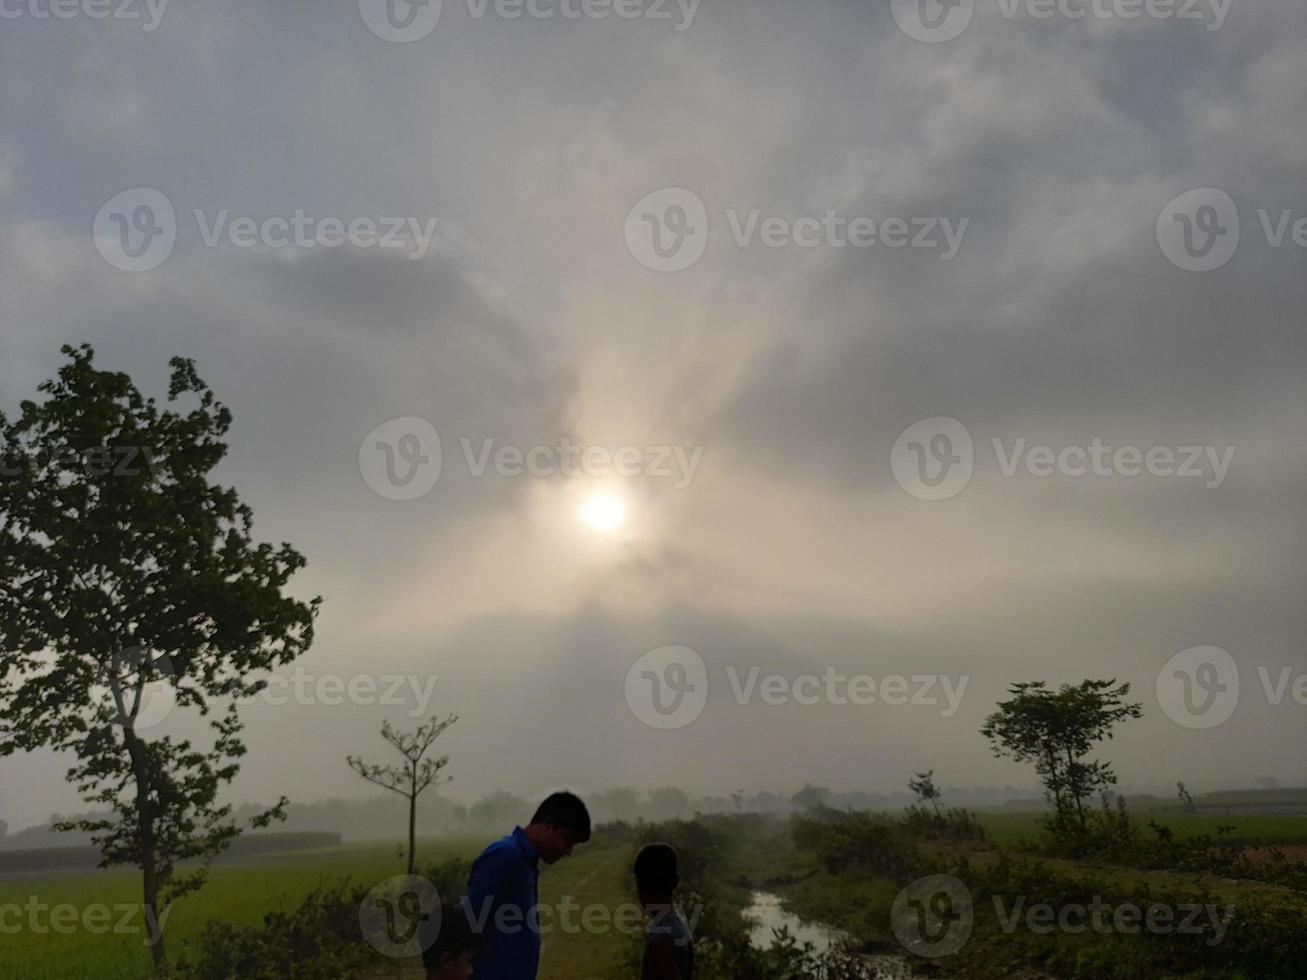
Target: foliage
{"x": 124, "y": 570}
{"x": 318, "y": 940}
{"x": 1056, "y": 730}
{"x": 923, "y": 785}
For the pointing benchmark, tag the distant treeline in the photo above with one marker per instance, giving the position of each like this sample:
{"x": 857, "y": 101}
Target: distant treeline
{"x": 386, "y": 816}
{"x": 87, "y": 858}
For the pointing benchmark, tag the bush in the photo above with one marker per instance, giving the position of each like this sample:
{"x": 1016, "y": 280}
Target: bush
{"x": 319, "y": 940}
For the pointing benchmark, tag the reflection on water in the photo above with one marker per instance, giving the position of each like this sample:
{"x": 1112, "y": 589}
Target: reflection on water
{"x": 765, "y": 915}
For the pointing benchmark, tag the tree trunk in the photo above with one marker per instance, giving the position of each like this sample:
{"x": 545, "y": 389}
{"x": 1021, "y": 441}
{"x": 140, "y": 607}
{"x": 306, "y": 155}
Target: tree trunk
{"x": 149, "y": 869}
{"x": 412, "y": 833}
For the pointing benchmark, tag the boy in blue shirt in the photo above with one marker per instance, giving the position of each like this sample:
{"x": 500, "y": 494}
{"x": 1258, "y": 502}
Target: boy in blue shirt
{"x": 503, "y": 888}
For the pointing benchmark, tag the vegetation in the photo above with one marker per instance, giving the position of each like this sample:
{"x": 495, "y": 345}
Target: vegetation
{"x": 415, "y": 775}
{"x": 124, "y": 570}
{"x": 1056, "y": 730}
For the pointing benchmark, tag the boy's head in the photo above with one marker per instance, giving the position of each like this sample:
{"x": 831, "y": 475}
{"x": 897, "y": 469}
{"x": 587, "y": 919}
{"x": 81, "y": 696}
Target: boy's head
{"x": 560, "y": 823}
{"x": 449, "y": 945}
{"x": 656, "y": 876}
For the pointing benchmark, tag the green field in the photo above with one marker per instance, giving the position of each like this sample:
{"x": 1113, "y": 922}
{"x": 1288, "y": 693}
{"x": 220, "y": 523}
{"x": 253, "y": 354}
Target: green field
{"x": 243, "y": 893}
{"x": 1012, "y": 828}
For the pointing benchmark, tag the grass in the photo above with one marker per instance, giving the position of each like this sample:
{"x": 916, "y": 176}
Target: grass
{"x": 242, "y": 893}
{"x": 1014, "y": 828}
{"x": 236, "y": 893}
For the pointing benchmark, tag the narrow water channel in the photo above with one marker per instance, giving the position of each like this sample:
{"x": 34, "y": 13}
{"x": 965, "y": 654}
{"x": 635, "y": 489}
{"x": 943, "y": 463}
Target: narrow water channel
{"x": 766, "y": 915}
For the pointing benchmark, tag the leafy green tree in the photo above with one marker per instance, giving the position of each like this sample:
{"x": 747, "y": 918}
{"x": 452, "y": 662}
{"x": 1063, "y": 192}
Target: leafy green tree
{"x": 1056, "y": 730}
{"x": 126, "y": 573}
{"x": 413, "y": 775}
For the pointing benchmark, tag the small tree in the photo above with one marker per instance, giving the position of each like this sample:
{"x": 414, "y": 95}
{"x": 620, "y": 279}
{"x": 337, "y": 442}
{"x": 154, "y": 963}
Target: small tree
{"x": 1186, "y": 799}
{"x": 1056, "y": 730}
{"x": 923, "y": 784}
{"x": 124, "y": 570}
{"x": 810, "y": 796}
{"x": 413, "y": 775}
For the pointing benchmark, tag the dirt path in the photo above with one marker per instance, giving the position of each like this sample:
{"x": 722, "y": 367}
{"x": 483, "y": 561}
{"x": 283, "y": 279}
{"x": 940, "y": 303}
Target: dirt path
{"x": 594, "y": 879}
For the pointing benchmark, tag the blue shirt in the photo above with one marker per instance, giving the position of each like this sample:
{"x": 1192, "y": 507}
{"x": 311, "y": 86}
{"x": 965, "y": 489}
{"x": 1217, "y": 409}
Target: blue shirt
{"x": 502, "y": 895}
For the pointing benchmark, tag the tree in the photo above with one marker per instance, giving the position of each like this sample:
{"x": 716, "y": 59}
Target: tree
{"x": 669, "y": 803}
{"x": 123, "y": 571}
{"x": 413, "y": 775}
{"x": 1056, "y": 730}
{"x": 1186, "y": 799}
{"x": 923, "y": 784}
{"x": 498, "y": 808}
{"x": 810, "y": 796}
{"x": 619, "y": 803}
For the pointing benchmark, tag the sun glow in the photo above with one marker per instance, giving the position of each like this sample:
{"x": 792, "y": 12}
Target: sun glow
{"x": 604, "y": 512}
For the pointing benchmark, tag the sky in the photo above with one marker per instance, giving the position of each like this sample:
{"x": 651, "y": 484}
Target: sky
{"x": 809, "y": 338}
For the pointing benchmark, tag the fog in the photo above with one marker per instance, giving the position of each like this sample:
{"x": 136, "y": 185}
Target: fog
{"x": 715, "y": 457}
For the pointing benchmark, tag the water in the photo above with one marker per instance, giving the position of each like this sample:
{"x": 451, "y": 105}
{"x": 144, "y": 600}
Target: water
{"x": 765, "y": 914}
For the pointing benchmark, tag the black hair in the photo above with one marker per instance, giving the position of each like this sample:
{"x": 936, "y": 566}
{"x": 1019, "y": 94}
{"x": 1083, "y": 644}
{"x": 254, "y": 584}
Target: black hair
{"x": 655, "y": 868}
{"x": 565, "y": 811}
{"x": 451, "y": 933}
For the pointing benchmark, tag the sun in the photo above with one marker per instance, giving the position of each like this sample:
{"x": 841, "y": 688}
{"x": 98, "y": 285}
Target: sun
{"x": 604, "y": 511}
